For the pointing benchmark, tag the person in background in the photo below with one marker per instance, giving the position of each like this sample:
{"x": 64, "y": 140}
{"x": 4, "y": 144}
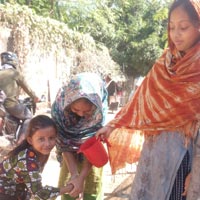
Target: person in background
{"x": 79, "y": 111}
{"x": 111, "y": 87}
{"x": 20, "y": 172}
{"x": 166, "y": 110}
{"x": 137, "y": 83}
{"x": 11, "y": 82}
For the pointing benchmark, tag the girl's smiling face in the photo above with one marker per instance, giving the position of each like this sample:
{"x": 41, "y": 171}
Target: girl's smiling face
{"x": 43, "y": 140}
{"x": 183, "y": 32}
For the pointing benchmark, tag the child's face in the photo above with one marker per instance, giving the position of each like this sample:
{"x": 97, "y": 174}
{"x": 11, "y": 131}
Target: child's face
{"x": 183, "y": 33}
{"x": 43, "y": 140}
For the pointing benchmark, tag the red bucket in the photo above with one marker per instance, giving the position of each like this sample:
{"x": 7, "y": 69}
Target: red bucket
{"x": 94, "y": 151}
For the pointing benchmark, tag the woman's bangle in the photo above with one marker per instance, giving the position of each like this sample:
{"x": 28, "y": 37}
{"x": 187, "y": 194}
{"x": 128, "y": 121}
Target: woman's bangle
{"x": 74, "y": 176}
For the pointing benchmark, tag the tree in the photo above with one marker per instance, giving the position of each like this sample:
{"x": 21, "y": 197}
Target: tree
{"x": 141, "y": 35}
{"x": 133, "y": 30}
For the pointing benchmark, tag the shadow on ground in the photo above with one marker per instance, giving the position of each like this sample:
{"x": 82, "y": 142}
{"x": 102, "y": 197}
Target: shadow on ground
{"x": 122, "y": 191}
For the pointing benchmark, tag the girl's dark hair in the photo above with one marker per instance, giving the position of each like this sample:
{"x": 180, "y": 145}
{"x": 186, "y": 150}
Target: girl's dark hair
{"x": 35, "y": 124}
{"x": 188, "y": 7}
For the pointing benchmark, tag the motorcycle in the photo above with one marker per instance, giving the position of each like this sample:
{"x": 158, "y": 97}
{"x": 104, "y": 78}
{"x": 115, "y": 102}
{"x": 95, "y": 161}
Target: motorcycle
{"x": 12, "y": 129}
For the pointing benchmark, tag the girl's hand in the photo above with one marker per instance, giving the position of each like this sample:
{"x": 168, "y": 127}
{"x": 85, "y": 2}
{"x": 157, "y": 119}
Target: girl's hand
{"x": 104, "y": 132}
{"x": 66, "y": 189}
{"x": 78, "y": 184}
{"x": 186, "y": 185}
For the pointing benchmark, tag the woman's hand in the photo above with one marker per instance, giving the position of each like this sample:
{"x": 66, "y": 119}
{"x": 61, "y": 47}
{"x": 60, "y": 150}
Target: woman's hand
{"x": 186, "y": 185}
{"x": 104, "y": 132}
{"x": 78, "y": 183}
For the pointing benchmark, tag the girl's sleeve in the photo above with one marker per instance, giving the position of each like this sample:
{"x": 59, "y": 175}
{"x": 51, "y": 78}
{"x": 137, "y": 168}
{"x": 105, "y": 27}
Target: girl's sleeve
{"x": 38, "y": 190}
{"x": 28, "y": 172}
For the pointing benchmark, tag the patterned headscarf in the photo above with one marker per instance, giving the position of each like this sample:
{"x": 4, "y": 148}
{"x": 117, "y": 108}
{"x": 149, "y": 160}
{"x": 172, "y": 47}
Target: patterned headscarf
{"x": 167, "y": 100}
{"x": 74, "y": 130}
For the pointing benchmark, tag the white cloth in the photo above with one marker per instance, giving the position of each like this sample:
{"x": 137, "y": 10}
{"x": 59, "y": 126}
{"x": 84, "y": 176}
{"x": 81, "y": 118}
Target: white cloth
{"x": 159, "y": 162}
{"x": 6, "y": 66}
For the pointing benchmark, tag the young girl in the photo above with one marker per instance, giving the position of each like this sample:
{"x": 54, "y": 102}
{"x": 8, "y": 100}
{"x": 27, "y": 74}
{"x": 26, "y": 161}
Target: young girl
{"x": 79, "y": 111}
{"x": 166, "y": 109}
{"x": 20, "y": 172}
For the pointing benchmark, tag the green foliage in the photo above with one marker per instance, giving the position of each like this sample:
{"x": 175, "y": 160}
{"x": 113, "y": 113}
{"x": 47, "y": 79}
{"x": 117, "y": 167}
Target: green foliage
{"x": 133, "y": 30}
{"x": 45, "y": 37}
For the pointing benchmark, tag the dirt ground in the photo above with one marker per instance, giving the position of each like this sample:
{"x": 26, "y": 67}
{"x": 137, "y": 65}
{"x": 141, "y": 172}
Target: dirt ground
{"x": 118, "y": 186}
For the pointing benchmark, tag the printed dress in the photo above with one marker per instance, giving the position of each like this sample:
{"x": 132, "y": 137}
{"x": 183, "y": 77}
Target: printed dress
{"x": 23, "y": 172}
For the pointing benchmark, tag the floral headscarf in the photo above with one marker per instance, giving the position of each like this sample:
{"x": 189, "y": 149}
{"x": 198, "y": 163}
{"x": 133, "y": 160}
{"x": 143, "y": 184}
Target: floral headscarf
{"x": 74, "y": 130}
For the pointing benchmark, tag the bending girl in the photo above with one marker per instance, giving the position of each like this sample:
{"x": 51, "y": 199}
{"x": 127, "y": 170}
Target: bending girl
{"x": 79, "y": 111}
